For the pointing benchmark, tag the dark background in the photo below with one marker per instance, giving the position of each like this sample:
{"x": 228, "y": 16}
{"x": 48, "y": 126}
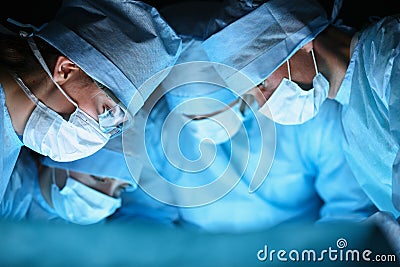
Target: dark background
{"x": 40, "y": 11}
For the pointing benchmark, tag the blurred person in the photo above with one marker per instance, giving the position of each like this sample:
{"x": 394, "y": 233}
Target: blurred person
{"x": 313, "y": 59}
{"x": 38, "y": 191}
{"x": 209, "y": 132}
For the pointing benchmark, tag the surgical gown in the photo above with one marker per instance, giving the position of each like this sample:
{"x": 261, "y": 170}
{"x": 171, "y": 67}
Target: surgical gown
{"x": 23, "y": 199}
{"x": 139, "y": 205}
{"x": 309, "y": 180}
{"x": 370, "y": 94}
{"x": 10, "y": 146}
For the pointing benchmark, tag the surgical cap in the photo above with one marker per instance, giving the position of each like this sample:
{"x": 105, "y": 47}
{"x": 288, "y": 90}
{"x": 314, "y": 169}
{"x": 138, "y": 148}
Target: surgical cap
{"x": 194, "y": 75}
{"x": 121, "y": 44}
{"x": 258, "y": 43}
{"x": 107, "y": 162}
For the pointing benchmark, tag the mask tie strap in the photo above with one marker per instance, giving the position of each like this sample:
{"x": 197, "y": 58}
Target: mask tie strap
{"x": 315, "y": 62}
{"x": 26, "y": 89}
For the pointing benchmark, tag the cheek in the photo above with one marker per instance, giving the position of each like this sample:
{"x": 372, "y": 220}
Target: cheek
{"x": 271, "y": 84}
{"x": 91, "y": 101}
{"x": 275, "y": 79}
{"x": 263, "y": 93}
{"x": 59, "y": 103}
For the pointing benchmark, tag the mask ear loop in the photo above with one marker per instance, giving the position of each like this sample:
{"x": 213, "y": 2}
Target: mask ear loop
{"x": 53, "y": 175}
{"x": 53, "y": 179}
{"x": 39, "y": 57}
{"x": 315, "y": 65}
{"x": 288, "y": 69}
{"x": 67, "y": 173}
{"x": 315, "y": 62}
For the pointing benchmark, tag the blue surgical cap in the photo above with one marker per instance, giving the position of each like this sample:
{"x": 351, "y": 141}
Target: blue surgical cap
{"x": 245, "y": 52}
{"x": 120, "y": 44}
{"x": 194, "y": 76}
{"x": 258, "y": 43}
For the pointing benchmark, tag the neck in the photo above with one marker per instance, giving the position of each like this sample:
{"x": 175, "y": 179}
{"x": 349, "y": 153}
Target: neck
{"x": 332, "y": 50}
{"x": 18, "y": 104}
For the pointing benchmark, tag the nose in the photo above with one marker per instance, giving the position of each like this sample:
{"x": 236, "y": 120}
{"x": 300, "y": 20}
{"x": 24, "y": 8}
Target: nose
{"x": 103, "y": 102}
{"x": 115, "y": 186}
{"x": 261, "y": 93}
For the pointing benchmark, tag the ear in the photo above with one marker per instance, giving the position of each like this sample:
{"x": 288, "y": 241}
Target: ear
{"x": 64, "y": 70}
{"x": 308, "y": 46}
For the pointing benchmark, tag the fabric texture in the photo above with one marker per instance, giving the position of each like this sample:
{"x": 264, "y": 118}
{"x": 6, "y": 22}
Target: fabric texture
{"x": 369, "y": 94}
{"x": 119, "y": 44}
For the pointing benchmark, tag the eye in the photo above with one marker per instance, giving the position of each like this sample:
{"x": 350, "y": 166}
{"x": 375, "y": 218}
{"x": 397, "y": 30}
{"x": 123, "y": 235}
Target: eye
{"x": 99, "y": 85}
{"x": 262, "y": 84}
{"x": 99, "y": 179}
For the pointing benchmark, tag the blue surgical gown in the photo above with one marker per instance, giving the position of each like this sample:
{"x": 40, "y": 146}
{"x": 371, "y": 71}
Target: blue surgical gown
{"x": 10, "y": 146}
{"x": 138, "y": 204}
{"x": 309, "y": 181}
{"x": 371, "y": 109}
{"x": 23, "y": 199}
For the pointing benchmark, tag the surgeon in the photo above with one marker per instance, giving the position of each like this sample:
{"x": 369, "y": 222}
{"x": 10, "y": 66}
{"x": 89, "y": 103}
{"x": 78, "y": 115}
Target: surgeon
{"x": 230, "y": 167}
{"x": 65, "y": 87}
{"x": 37, "y": 191}
{"x": 111, "y": 161}
{"x": 359, "y": 69}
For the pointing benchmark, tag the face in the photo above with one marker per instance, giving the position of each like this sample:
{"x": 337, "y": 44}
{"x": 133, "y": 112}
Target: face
{"x": 302, "y": 72}
{"x": 84, "y": 92}
{"x": 109, "y": 186}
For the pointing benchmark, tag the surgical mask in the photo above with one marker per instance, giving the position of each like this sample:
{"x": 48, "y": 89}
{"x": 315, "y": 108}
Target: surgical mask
{"x": 47, "y": 133}
{"x": 81, "y": 204}
{"x": 291, "y": 105}
{"x": 111, "y": 121}
{"x": 223, "y": 126}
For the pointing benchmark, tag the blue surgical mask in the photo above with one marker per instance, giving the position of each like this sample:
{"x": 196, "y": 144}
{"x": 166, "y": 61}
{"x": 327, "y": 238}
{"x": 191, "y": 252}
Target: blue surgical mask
{"x": 112, "y": 121}
{"x": 222, "y": 126}
{"x": 80, "y": 204}
{"x": 47, "y": 133}
{"x": 290, "y": 104}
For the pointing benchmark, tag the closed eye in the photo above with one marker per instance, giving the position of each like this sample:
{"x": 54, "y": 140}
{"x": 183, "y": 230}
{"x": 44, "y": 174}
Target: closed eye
{"x": 205, "y": 116}
{"x": 98, "y": 179}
